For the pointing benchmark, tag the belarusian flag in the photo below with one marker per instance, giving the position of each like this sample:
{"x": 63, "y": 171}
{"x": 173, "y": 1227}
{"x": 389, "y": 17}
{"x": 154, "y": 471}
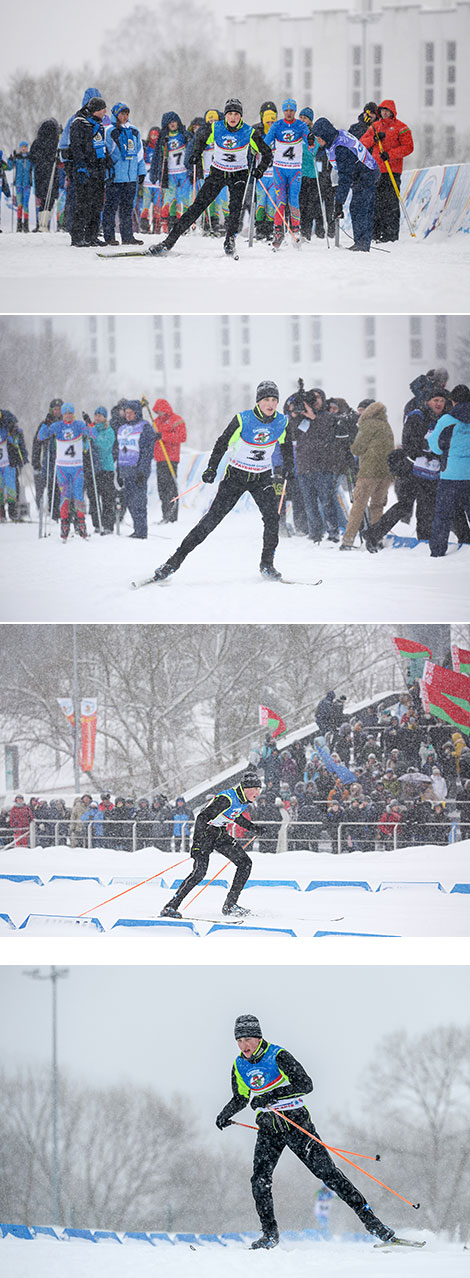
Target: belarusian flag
{"x": 409, "y": 649}
{"x": 446, "y": 694}
{"x": 460, "y": 660}
{"x": 272, "y": 721}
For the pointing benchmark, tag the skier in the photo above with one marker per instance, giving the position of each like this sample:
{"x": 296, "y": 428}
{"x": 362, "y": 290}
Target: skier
{"x": 211, "y": 835}
{"x": 287, "y": 136}
{"x": 150, "y": 202}
{"x": 168, "y": 168}
{"x": 69, "y": 433}
{"x": 276, "y": 1081}
{"x": 249, "y": 440}
{"x": 232, "y": 140}
{"x": 265, "y": 200}
{"x": 357, "y": 170}
{"x": 13, "y": 457}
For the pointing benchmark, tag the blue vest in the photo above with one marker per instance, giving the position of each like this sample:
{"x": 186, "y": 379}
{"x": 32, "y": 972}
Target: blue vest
{"x": 253, "y": 442}
{"x": 353, "y": 144}
{"x": 234, "y": 807}
{"x": 233, "y": 143}
{"x": 265, "y": 1075}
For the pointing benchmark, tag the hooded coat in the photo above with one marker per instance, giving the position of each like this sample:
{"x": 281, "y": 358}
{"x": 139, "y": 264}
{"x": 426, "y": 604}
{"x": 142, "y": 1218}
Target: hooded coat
{"x": 373, "y": 442}
{"x": 172, "y": 429}
{"x": 43, "y": 153}
{"x": 398, "y": 140}
{"x": 159, "y": 165}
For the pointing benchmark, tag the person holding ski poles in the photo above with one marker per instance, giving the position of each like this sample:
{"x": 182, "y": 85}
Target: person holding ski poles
{"x": 232, "y": 139}
{"x": 274, "y": 1083}
{"x": 287, "y": 138}
{"x": 211, "y": 834}
{"x": 249, "y": 441}
{"x": 357, "y": 172}
{"x": 69, "y": 433}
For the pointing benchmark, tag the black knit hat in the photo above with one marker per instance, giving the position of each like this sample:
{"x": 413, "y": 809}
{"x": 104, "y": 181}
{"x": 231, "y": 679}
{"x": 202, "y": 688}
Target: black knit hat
{"x": 95, "y": 104}
{"x": 266, "y": 390}
{"x": 233, "y": 104}
{"x": 251, "y": 779}
{"x": 247, "y": 1027}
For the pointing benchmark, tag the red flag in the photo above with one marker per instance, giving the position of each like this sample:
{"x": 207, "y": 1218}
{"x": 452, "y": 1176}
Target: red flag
{"x": 446, "y": 695}
{"x": 271, "y": 720}
{"x": 460, "y": 659}
{"x": 88, "y": 737}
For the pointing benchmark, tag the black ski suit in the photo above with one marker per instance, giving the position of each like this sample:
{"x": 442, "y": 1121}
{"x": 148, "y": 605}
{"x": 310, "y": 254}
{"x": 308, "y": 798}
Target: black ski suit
{"x": 234, "y": 483}
{"x": 275, "y": 1133}
{"x": 209, "y": 838}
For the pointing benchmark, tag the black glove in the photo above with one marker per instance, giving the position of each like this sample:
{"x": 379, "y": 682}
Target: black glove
{"x": 86, "y": 418}
{"x": 288, "y": 472}
{"x": 338, "y": 210}
{"x": 208, "y": 475}
{"x": 384, "y": 155}
{"x": 158, "y": 434}
{"x": 221, "y": 1121}
{"x": 140, "y": 481}
{"x": 381, "y": 136}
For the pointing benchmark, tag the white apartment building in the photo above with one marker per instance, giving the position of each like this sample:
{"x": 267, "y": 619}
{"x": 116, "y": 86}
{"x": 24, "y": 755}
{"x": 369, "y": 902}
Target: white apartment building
{"x": 335, "y": 60}
{"x": 209, "y": 366}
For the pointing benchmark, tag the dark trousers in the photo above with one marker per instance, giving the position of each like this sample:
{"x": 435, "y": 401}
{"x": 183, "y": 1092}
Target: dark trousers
{"x": 232, "y": 487}
{"x": 387, "y": 209}
{"x": 362, "y": 204}
{"x": 88, "y": 205}
{"x": 274, "y": 1135}
{"x": 423, "y": 491}
{"x": 317, "y": 489}
{"x": 453, "y": 495}
{"x": 215, "y": 840}
{"x": 167, "y": 488}
{"x": 120, "y": 198}
{"x": 210, "y": 189}
{"x": 136, "y": 501}
{"x": 107, "y": 496}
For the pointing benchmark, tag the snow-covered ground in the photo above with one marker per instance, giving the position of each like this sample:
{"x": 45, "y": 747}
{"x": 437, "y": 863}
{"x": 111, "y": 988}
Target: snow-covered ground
{"x": 402, "y": 893}
{"x": 43, "y": 273}
{"x": 46, "y": 580}
{"x": 49, "y": 1258}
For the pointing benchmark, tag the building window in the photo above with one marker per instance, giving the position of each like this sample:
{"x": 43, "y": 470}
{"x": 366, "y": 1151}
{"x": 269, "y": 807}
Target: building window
{"x": 377, "y": 59}
{"x": 416, "y": 337}
{"x": 241, "y": 59}
{"x": 295, "y": 333}
{"x": 428, "y": 144}
{"x": 441, "y": 336}
{"x": 429, "y": 74}
{"x": 451, "y": 71}
{"x": 158, "y": 344}
{"x": 356, "y": 75}
{"x": 369, "y": 336}
{"x": 316, "y": 339}
{"x": 450, "y": 144}
{"x": 288, "y": 59}
{"x": 370, "y": 388}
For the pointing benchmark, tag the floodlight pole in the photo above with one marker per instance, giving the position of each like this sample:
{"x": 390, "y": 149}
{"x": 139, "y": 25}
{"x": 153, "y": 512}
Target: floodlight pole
{"x": 54, "y": 974}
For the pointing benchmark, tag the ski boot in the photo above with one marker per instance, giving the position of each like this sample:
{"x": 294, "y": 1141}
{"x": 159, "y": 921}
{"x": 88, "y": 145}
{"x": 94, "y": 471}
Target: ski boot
{"x": 229, "y": 245}
{"x": 64, "y": 529}
{"x": 133, "y": 240}
{"x": 25, "y": 223}
{"x": 278, "y": 237}
{"x": 234, "y": 911}
{"x": 369, "y": 541}
{"x": 358, "y": 248}
{"x": 269, "y": 1238}
{"x": 19, "y": 223}
{"x": 158, "y": 250}
{"x": 81, "y": 528}
{"x": 269, "y": 571}
{"x": 333, "y": 536}
{"x": 374, "y": 1225}
{"x": 144, "y": 227}
{"x": 344, "y": 546}
{"x": 163, "y": 572}
{"x": 170, "y": 912}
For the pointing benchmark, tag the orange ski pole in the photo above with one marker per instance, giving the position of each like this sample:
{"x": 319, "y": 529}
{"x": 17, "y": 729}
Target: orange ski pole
{"x": 332, "y": 1148}
{"x": 276, "y": 207}
{"x": 347, "y": 1160}
{"x": 284, "y": 486}
{"x": 135, "y": 885}
{"x": 187, "y": 490}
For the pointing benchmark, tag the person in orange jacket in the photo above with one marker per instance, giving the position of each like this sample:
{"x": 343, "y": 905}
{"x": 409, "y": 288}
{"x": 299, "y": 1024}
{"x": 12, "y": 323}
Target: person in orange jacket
{"x": 171, "y": 430}
{"x": 396, "y": 141}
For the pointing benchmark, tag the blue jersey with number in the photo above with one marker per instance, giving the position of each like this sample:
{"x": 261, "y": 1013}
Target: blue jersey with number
{"x": 287, "y": 140}
{"x": 235, "y": 807}
{"x": 252, "y": 445}
{"x": 230, "y": 146}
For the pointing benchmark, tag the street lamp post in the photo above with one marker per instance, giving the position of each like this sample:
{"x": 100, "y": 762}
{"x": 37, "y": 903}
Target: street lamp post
{"x": 53, "y": 976}
{"x": 76, "y": 713}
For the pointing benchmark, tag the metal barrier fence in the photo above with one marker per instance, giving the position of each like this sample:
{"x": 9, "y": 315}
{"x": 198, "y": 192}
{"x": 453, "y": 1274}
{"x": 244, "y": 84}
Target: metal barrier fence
{"x": 295, "y": 832}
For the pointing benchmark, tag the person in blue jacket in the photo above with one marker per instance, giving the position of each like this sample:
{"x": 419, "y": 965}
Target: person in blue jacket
{"x": 357, "y": 171}
{"x": 183, "y": 816}
{"x": 70, "y": 433}
{"x": 136, "y": 441}
{"x": 105, "y": 445}
{"x": 126, "y": 157}
{"x": 20, "y": 161}
{"x": 287, "y": 138}
{"x": 450, "y": 440}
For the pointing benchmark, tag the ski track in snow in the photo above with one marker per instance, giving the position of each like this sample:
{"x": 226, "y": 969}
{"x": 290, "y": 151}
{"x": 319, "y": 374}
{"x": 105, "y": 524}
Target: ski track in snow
{"x": 43, "y": 273}
{"x": 44, "y": 1258}
{"x": 220, "y": 582}
{"x": 413, "y": 907}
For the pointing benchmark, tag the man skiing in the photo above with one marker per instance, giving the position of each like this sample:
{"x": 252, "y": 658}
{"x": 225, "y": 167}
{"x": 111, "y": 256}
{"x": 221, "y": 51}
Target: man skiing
{"x": 232, "y": 139}
{"x": 69, "y": 433}
{"x": 357, "y": 171}
{"x": 249, "y": 440}
{"x": 211, "y": 835}
{"x": 287, "y": 137}
{"x": 274, "y": 1083}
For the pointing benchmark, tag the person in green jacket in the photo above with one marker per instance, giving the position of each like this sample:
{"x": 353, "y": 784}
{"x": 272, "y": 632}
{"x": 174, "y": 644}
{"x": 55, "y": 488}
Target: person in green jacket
{"x": 105, "y": 445}
{"x": 372, "y": 445}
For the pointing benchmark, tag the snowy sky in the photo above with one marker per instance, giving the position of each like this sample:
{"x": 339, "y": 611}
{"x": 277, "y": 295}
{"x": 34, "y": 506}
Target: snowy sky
{"x": 113, "y": 1021}
{"x": 36, "y": 36}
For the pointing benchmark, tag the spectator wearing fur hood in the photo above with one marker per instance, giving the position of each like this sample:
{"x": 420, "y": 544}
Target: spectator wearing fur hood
{"x": 373, "y": 442}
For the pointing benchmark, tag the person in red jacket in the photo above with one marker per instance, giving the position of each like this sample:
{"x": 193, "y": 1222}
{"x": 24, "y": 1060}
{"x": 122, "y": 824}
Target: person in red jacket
{"x": 391, "y": 817}
{"x": 171, "y": 430}
{"x": 388, "y": 140}
{"x": 20, "y": 819}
